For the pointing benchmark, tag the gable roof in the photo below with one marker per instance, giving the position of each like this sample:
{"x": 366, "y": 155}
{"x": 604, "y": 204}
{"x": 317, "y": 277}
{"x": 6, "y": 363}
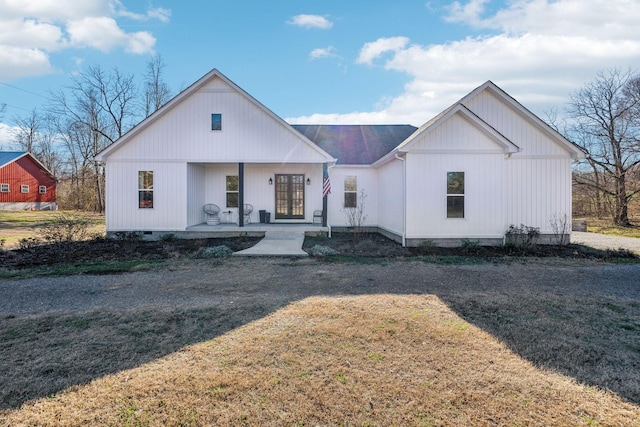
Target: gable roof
{"x": 356, "y": 144}
{"x": 7, "y": 157}
{"x": 101, "y": 156}
{"x": 575, "y": 151}
{"x": 457, "y": 108}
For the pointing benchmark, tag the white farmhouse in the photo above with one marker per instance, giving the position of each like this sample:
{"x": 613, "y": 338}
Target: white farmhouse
{"x": 480, "y": 166}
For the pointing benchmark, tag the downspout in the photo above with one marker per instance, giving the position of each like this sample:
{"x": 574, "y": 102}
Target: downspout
{"x": 404, "y": 199}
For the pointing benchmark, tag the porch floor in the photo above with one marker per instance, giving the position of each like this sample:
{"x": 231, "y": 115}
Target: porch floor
{"x": 279, "y": 239}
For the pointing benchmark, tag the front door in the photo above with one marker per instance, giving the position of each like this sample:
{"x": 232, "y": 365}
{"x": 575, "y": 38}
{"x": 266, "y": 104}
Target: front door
{"x": 289, "y": 196}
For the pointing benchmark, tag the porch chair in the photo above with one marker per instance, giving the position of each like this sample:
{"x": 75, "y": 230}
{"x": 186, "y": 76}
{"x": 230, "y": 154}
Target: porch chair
{"x": 317, "y": 217}
{"x": 247, "y": 213}
{"x": 211, "y": 212}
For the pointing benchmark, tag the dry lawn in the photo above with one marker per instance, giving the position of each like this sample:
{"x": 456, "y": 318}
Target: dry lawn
{"x": 17, "y": 225}
{"x": 606, "y": 226}
{"x": 342, "y": 360}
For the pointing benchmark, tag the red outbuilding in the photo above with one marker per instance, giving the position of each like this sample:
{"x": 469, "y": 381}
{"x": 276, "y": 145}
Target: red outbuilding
{"x": 25, "y": 183}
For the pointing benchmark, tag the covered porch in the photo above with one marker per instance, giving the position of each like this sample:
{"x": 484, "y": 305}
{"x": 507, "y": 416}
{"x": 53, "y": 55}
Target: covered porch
{"x": 242, "y": 194}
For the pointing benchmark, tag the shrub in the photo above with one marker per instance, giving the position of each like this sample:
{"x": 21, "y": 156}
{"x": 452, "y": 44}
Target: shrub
{"x": 470, "y": 247}
{"x": 322, "y": 251}
{"x": 65, "y": 227}
{"x": 29, "y": 243}
{"x": 522, "y": 236}
{"x": 213, "y": 252}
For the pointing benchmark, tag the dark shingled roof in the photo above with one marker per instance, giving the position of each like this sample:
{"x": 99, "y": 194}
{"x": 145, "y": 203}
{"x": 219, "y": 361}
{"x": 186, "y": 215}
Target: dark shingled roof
{"x": 356, "y": 144}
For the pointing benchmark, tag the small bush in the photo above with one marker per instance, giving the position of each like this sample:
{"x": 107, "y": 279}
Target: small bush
{"x": 322, "y": 251}
{"x": 213, "y": 252}
{"x": 65, "y": 227}
{"x": 127, "y": 235}
{"x": 470, "y": 247}
{"x": 29, "y": 243}
{"x": 522, "y": 236}
{"x": 169, "y": 237}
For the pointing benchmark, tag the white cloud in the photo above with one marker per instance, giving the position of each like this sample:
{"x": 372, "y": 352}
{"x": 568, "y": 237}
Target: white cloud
{"x": 16, "y": 62}
{"x": 31, "y": 30}
{"x": 469, "y": 13}
{"x": 311, "y": 21}
{"x": 539, "y": 51}
{"x": 104, "y": 34}
{"x": 6, "y": 136}
{"x": 374, "y": 50}
{"x": 323, "y": 52}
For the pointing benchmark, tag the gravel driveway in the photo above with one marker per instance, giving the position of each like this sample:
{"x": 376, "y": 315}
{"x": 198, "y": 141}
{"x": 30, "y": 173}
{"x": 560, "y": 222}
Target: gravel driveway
{"x": 603, "y": 241}
{"x": 276, "y": 281}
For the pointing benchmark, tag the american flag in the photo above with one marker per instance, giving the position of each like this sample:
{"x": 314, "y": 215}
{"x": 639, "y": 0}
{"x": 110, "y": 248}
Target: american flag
{"x": 326, "y": 185}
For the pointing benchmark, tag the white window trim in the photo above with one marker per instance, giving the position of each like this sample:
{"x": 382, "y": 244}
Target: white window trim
{"x": 355, "y": 193}
{"x": 42, "y": 189}
{"x": 24, "y": 187}
{"x": 4, "y": 188}
{"x": 464, "y": 199}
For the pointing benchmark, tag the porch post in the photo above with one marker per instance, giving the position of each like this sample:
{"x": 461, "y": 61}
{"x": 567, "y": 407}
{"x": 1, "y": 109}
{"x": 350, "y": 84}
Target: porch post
{"x": 241, "y": 194}
{"x": 325, "y": 175}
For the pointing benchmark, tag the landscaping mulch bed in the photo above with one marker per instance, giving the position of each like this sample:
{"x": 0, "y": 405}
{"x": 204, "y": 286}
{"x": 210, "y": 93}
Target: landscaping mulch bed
{"x": 114, "y": 250}
{"x": 370, "y": 245}
{"x": 376, "y": 245}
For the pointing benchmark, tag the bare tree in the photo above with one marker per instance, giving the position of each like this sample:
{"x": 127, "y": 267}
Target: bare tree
{"x": 34, "y": 134}
{"x": 97, "y": 109}
{"x": 606, "y": 124}
{"x": 156, "y": 91}
{"x": 25, "y": 133}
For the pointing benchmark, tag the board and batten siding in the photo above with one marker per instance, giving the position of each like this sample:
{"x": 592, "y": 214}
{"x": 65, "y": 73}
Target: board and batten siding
{"x": 484, "y": 204}
{"x": 367, "y": 182}
{"x": 249, "y": 134}
{"x": 169, "y": 212}
{"x": 539, "y": 192}
{"x": 391, "y": 193}
{"x": 538, "y": 177}
{"x": 196, "y": 198}
{"x": 528, "y": 136}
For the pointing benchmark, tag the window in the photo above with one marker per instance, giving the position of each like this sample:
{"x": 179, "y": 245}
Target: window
{"x": 232, "y": 191}
{"x": 24, "y": 188}
{"x": 455, "y": 194}
{"x": 42, "y": 189}
{"x": 350, "y": 192}
{"x": 4, "y": 188}
{"x": 216, "y": 122}
{"x": 145, "y": 189}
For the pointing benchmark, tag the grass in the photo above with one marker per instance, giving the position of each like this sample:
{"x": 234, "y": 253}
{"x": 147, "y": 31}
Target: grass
{"x": 606, "y": 226}
{"x": 347, "y": 360}
{"x": 71, "y": 269}
{"x": 17, "y": 225}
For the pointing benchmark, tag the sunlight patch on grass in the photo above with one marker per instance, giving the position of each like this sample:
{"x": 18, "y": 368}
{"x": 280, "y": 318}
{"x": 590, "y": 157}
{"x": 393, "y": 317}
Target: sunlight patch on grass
{"x": 330, "y": 361}
{"x": 606, "y": 226}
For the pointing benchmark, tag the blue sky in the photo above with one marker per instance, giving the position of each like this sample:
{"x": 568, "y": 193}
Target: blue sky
{"x": 329, "y": 61}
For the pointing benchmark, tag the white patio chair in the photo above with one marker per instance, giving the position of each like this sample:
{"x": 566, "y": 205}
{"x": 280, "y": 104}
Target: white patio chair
{"x": 211, "y": 212}
{"x": 247, "y": 213}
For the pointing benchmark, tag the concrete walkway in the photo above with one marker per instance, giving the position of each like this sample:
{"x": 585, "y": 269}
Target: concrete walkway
{"x": 278, "y": 241}
{"x": 603, "y": 241}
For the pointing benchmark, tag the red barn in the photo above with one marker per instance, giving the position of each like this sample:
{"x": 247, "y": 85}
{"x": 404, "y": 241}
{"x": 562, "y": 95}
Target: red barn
{"x": 25, "y": 183}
